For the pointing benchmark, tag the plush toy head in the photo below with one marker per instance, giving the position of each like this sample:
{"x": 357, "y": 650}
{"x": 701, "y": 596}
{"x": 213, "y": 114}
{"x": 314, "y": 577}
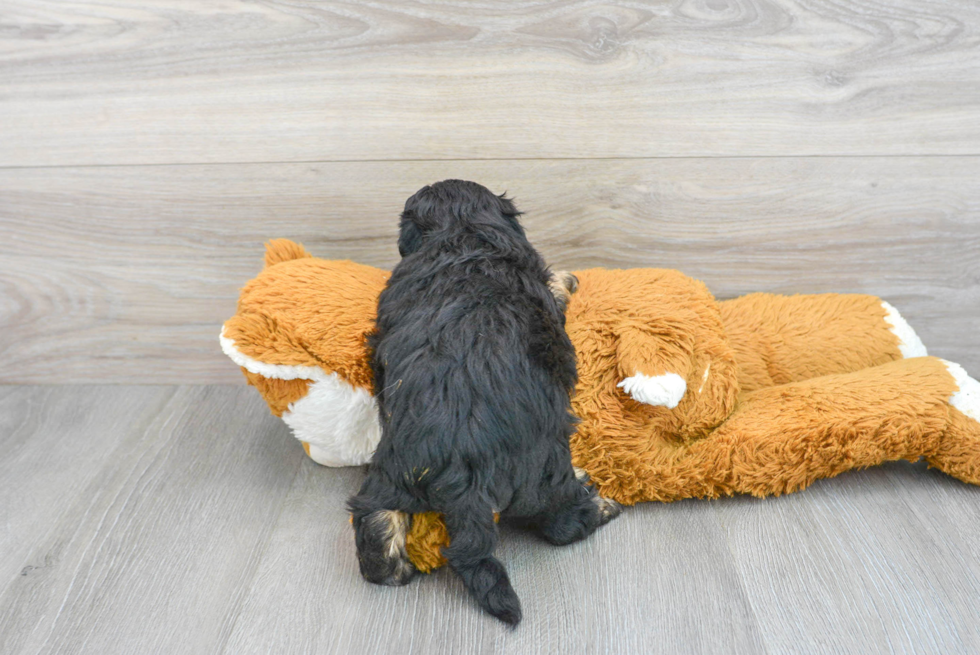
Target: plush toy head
{"x": 299, "y": 337}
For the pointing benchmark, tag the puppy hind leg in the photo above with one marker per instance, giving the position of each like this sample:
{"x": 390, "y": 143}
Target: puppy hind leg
{"x": 380, "y": 536}
{"x": 472, "y": 539}
{"x": 580, "y": 512}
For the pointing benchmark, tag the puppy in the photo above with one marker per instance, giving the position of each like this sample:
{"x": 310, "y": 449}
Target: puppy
{"x": 472, "y": 372}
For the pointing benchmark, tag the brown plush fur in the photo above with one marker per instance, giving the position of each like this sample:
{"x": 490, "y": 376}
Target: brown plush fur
{"x": 279, "y": 394}
{"x": 303, "y": 311}
{"x": 782, "y": 339}
{"x": 781, "y": 391}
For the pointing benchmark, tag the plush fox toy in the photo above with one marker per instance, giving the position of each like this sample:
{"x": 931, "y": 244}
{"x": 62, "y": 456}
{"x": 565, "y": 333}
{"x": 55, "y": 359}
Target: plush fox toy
{"x": 679, "y": 395}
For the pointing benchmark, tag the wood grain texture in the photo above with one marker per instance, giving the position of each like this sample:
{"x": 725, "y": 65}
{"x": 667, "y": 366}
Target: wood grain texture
{"x": 152, "y": 555}
{"x": 55, "y": 443}
{"x": 863, "y": 563}
{"x": 625, "y": 590}
{"x": 124, "y": 274}
{"x": 164, "y": 81}
{"x": 190, "y": 522}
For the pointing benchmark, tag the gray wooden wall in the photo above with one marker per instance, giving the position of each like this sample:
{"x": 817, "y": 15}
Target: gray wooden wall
{"x": 147, "y": 149}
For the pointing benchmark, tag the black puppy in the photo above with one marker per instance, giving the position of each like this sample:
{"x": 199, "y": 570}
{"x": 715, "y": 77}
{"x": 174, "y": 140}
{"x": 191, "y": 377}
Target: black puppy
{"x": 472, "y": 373}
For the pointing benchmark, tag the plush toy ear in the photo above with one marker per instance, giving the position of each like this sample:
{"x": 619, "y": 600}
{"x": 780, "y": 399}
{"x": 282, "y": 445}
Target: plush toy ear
{"x": 283, "y": 250}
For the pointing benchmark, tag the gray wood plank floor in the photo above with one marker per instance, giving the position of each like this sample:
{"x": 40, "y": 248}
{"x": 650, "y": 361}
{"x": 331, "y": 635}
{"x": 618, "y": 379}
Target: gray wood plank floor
{"x": 163, "y": 519}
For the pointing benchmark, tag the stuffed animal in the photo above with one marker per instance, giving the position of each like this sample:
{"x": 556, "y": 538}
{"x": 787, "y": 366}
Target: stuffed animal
{"x": 679, "y": 395}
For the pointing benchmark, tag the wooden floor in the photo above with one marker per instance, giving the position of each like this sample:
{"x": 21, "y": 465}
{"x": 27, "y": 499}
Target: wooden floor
{"x": 162, "y": 519}
{"x": 149, "y": 147}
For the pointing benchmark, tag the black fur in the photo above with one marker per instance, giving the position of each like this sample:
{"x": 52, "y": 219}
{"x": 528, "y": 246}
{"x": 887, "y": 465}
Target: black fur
{"x": 473, "y": 372}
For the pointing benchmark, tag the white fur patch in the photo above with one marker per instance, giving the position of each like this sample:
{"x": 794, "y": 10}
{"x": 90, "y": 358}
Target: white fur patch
{"x": 272, "y": 371}
{"x": 967, "y": 399}
{"x": 660, "y": 390}
{"x": 908, "y": 341}
{"x": 338, "y": 420}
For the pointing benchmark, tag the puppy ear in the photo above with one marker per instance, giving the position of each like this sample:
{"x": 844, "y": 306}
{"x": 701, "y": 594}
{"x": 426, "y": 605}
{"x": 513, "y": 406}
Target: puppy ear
{"x": 416, "y": 221}
{"x": 510, "y": 214}
{"x": 409, "y": 236}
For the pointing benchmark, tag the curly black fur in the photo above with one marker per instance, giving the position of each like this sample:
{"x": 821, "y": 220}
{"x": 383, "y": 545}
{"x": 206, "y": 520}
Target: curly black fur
{"x": 473, "y": 372}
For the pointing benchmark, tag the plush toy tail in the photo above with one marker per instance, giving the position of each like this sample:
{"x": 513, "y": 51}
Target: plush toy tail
{"x": 283, "y": 250}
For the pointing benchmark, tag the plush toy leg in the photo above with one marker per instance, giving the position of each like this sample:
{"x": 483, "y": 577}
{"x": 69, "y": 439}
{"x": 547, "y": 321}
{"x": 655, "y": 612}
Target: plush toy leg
{"x": 958, "y": 452}
{"x": 783, "y": 438}
{"x": 782, "y": 339}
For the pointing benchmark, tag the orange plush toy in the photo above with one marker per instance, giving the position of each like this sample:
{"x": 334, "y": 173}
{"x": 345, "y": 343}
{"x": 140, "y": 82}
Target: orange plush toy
{"x": 679, "y": 395}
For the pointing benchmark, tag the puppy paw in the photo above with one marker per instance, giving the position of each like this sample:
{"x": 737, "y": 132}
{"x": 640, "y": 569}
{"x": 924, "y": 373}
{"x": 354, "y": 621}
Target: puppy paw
{"x": 381, "y": 551}
{"x": 659, "y": 390}
{"x": 608, "y": 509}
{"x": 562, "y": 284}
{"x": 568, "y": 280}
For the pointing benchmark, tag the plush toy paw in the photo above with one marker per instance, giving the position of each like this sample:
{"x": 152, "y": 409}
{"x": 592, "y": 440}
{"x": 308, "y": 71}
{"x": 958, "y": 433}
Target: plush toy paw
{"x": 659, "y": 390}
{"x": 909, "y": 342}
{"x": 967, "y": 399}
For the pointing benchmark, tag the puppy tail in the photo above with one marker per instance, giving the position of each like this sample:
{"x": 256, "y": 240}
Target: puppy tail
{"x": 472, "y": 539}
{"x": 283, "y": 250}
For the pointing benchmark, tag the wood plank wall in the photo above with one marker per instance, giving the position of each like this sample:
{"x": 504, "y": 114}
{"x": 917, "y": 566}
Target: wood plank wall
{"x": 148, "y": 148}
